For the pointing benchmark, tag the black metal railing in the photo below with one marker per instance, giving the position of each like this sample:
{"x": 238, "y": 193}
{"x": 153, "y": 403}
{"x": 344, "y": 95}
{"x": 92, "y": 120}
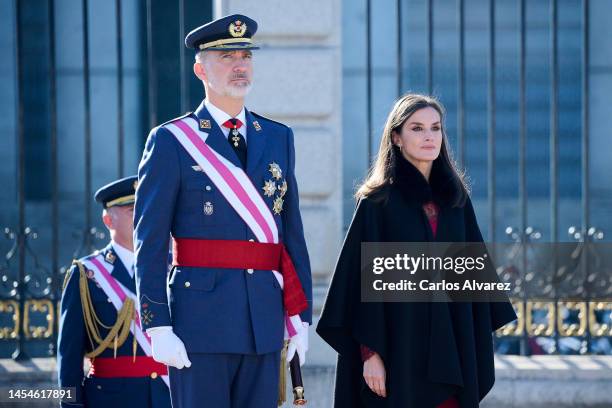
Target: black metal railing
{"x": 37, "y": 248}
{"x": 42, "y": 234}
{"x": 417, "y": 25}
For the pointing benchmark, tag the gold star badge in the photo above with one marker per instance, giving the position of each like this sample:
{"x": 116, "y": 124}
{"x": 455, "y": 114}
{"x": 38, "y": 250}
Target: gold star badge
{"x": 276, "y": 171}
{"x": 278, "y": 205}
{"x": 204, "y": 124}
{"x": 283, "y": 188}
{"x": 269, "y": 188}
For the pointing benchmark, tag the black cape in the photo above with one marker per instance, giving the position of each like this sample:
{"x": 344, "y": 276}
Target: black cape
{"x": 431, "y": 350}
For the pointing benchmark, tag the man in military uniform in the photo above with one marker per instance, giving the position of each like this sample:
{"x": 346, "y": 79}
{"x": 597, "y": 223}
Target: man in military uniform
{"x": 220, "y": 183}
{"x": 99, "y": 319}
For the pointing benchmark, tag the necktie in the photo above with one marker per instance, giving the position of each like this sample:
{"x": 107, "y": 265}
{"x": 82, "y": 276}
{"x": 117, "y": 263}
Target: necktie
{"x": 236, "y": 140}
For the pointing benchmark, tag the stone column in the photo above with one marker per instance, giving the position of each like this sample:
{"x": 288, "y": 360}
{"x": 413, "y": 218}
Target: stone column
{"x": 297, "y": 81}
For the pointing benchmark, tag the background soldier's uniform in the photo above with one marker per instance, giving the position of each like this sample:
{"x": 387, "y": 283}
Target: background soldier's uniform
{"x": 74, "y": 341}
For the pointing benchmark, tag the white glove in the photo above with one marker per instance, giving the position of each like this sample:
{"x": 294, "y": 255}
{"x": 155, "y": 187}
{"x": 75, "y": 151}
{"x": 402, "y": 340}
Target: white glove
{"x": 167, "y": 348}
{"x": 299, "y": 343}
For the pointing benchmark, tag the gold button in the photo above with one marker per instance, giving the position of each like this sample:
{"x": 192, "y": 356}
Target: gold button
{"x": 153, "y": 375}
{"x": 250, "y": 271}
{"x": 99, "y": 387}
{"x": 187, "y": 284}
{"x": 251, "y": 240}
{"x": 208, "y": 188}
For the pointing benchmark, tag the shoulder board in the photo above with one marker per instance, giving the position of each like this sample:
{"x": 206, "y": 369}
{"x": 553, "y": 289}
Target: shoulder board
{"x": 97, "y": 252}
{"x": 80, "y": 268}
{"x": 90, "y": 256}
{"x": 175, "y": 119}
{"x": 263, "y": 118}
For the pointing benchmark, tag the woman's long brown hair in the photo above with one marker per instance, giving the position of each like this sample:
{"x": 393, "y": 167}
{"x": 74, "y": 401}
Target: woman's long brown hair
{"x": 382, "y": 171}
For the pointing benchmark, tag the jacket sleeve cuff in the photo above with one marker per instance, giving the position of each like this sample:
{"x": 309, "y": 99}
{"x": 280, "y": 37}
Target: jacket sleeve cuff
{"x": 152, "y": 330}
{"x": 306, "y": 315}
{"x": 153, "y": 314}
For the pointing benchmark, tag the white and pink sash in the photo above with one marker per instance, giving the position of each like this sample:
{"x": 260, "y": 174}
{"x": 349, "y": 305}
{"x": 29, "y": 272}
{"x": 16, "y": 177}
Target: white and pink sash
{"x": 236, "y": 187}
{"x": 118, "y": 293}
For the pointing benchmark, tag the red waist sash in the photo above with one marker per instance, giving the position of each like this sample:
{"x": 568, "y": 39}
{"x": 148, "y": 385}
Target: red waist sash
{"x": 235, "y": 254}
{"x": 126, "y": 366}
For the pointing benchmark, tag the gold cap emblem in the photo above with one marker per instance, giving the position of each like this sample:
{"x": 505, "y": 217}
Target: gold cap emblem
{"x": 237, "y": 28}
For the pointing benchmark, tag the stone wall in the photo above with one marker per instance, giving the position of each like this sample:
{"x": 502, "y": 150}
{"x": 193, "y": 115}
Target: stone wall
{"x": 297, "y": 81}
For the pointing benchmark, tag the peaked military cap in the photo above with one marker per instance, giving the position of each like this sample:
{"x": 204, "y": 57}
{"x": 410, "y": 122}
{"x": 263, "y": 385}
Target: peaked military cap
{"x": 233, "y": 32}
{"x": 117, "y": 193}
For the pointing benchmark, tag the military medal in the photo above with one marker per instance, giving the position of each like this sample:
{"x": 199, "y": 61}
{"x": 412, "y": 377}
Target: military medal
{"x": 278, "y": 205}
{"x": 235, "y": 137}
{"x": 276, "y": 171}
{"x": 208, "y": 208}
{"x": 269, "y": 188}
{"x": 283, "y": 188}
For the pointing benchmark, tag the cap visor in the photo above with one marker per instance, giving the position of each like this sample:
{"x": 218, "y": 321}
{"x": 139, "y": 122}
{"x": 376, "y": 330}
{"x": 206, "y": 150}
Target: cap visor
{"x": 232, "y": 47}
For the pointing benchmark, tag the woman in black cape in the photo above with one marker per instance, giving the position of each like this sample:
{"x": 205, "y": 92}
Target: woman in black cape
{"x": 410, "y": 355}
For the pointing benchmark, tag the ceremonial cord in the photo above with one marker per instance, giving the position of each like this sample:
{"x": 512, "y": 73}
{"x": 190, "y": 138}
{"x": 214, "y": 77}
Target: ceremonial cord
{"x": 117, "y": 334}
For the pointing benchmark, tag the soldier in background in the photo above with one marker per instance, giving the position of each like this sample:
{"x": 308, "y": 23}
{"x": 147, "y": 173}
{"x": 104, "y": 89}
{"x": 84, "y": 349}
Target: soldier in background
{"x": 99, "y": 320}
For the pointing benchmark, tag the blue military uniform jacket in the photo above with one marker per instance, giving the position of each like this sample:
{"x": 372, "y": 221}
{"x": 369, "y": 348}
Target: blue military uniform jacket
{"x": 214, "y": 310}
{"x": 74, "y": 343}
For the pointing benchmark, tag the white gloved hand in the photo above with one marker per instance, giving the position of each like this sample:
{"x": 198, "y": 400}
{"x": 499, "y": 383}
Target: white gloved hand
{"x": 299, "y": 343}
{"x": 167, "y": 348}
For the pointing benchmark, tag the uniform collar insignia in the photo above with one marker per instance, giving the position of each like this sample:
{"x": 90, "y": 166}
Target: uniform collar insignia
{"x": 110, "y": 257}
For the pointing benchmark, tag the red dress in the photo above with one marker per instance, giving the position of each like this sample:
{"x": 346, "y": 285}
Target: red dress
{"x": 431, "y": 210}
